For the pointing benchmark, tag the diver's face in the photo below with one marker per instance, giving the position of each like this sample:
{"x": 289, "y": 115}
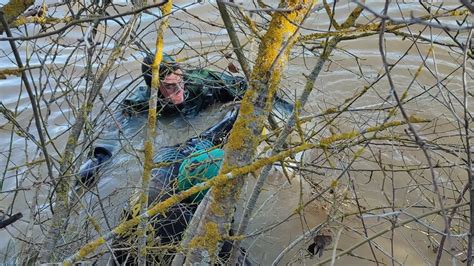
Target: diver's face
{"x": 172, "y": 87}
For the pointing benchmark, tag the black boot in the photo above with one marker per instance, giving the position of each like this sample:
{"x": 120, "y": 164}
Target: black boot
{"x": 88, "y": 171}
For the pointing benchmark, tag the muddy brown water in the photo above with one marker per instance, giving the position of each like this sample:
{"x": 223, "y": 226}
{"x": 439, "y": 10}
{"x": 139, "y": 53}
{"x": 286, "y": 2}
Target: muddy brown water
{"x": 340, "y": 79}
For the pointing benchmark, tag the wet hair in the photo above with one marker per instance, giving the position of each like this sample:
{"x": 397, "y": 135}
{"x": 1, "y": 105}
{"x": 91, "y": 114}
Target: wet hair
{"x": 168, "y": 65}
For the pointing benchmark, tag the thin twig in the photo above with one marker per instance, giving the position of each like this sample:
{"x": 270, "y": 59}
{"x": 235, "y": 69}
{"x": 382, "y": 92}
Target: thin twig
{"x": 80, "y": 21}
{"x": 31, "y": 95}
{"x": 414, "y": 20}
{"x": 233, "y": 38}
{"x": 418, "y": 139}
{"x": 469, "y": 151}
{"x": 334, "y": 250}
{"x": 382, "y": 232}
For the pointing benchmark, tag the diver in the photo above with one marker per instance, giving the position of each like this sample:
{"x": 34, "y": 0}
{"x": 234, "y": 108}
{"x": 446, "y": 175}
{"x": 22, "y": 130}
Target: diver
{"x": 182, "y": 92}
{"x": 182, "y": 166}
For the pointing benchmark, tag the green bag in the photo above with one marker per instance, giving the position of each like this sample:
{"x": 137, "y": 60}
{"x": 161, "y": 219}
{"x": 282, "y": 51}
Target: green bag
{"x": 199, "y": 167}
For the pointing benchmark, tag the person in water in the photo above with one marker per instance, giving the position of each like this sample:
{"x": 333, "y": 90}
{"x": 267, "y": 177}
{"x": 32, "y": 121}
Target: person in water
{"x": 184, "y": 92}
{"x": 181, "y": 92}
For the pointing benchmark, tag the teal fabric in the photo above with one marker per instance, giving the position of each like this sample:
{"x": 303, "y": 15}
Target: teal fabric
{"x": 167, "y": 154}
{"x": 201, "y": 145}
{"x": 199, "y": 167}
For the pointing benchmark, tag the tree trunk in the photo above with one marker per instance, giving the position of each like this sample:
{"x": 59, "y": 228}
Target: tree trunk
{"x": 243, "y": 140}
{"x": 151, "y": 131}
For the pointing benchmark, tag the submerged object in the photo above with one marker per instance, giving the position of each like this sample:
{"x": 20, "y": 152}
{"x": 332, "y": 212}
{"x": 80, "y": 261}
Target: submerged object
{"x": 320, "y": 242}
{"x": 218, "y": 132}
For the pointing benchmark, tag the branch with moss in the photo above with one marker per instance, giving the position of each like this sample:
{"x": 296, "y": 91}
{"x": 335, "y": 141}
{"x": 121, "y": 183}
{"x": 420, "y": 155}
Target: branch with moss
{"x": 359, "y": 30}
{"x": 331, "y": 44}
{"x": 84, "y": 20}
{"x": 10, "y": 72}
{"x": 278, "y": 145}
{"x": 22, "y": 20}
{"x": 151, "y": 131}
{"x": 14, "y": 9}
{"x": 255, "y": 108}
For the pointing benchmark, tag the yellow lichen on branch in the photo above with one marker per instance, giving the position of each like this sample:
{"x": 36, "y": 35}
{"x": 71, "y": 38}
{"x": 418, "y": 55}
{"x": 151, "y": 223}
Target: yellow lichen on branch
{"x": 9, "y": 72}
{"x": 275, "y": 46}
{"x": 417, "y": 119}
{"x": 265, "y": 77}
{"x": 330, "y": 15}
{"x": 151, "y": 130}
{"x": 360, "y": 30}
{"x": 13, "y": 9}
{"x": 152, "y": 111}
{"x": 325, "y": 142}
{"x": 337, "y": 137}
{"x": 210, "y": 240}
{"x": 21, "y": 20}
{"x": 255, "y": 107}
